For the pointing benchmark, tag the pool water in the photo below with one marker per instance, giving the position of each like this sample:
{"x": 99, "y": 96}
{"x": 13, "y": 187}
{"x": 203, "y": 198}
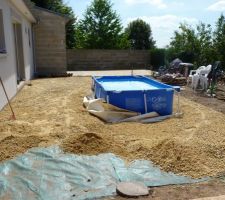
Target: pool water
{"x": 127, "y": 85}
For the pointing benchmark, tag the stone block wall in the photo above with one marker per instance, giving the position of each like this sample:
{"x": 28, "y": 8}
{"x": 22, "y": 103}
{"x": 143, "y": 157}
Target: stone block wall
{"x": 84, "y": 59}
{"x": 49, "y": 42}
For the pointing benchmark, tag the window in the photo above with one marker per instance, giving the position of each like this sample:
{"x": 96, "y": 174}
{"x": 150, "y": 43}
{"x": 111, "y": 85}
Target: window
{"x": 2, "y": 35}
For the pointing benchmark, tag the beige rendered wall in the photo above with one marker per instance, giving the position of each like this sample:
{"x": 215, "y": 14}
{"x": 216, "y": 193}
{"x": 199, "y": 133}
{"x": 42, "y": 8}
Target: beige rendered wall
{"x": 8, "y": 61}
{"x": 50, "y": 42}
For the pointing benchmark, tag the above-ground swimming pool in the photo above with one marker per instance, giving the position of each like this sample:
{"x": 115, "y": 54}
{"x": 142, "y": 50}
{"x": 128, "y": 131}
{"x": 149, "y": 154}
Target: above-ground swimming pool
{"x": 135, "y": 93}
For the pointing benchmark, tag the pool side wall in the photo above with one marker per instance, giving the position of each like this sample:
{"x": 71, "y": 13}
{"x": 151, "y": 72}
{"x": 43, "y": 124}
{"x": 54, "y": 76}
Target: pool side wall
{"x": 142, "y": 101}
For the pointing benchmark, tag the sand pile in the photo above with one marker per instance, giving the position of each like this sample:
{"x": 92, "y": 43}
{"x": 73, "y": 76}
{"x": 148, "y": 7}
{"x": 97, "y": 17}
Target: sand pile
{"x": 50, "y": 112}
{"x": 175, "y": 156}
{"x": 12, "y": 145}
{"x": 87, "y": 143}
{"x": 93, "y": 144}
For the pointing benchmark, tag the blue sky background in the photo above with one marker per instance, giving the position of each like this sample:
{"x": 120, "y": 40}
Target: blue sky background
{"x": 164, "y": 16}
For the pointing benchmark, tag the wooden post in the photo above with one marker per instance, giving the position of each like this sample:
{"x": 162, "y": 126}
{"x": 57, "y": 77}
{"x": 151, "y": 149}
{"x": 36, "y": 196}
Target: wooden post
{"x": 13, "y": 115}
{"x": 186, "y": 68}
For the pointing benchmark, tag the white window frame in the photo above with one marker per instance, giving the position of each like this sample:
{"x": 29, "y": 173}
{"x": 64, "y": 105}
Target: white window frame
{"x": 3, "y": 50}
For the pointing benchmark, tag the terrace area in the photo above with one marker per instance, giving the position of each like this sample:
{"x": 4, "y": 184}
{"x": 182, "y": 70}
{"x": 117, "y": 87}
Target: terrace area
{"x": 50, "y": 112}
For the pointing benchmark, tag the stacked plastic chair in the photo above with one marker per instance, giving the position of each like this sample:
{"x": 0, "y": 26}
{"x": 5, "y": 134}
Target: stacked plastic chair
{"x": 192, "y": 73}
{"x": 200, "y": 79}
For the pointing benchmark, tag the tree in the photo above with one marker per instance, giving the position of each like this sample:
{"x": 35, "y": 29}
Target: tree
{"x": 60, "y": 7}
{"x": 101, "y": 27}
{"x": 140, "y": 34}
{"x": 200, "y": 46}
{"x": 158, "y": 58}
{"x": 185, "y": 44}
{"x": 219, "y": 40}
{"x": 206, "y": 50}
{"x": 53, "y": 5}
{"x": 124, "y": 42}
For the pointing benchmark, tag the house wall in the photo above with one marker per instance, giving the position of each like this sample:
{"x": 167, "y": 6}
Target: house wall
{"x": 8, "y": 62}
{"x": 50, "y": 42}
{"x": 94, "y": 59}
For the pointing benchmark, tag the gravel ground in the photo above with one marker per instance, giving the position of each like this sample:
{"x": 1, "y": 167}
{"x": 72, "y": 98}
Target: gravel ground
{"x": 50, "y": 112}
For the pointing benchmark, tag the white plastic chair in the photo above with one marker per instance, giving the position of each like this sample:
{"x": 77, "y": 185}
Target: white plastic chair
{"x": 201, "y": 78}
{"x": 204, "y": 77}
{"x": 192, "y": 74}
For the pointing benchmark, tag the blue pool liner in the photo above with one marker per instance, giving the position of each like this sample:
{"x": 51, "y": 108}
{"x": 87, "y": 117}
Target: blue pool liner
{"x": 136, "y": 93}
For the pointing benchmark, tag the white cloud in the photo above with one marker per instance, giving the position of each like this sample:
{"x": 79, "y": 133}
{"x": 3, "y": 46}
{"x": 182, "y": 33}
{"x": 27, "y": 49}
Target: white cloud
{"x": 218, "y": 6}
{"x": 164, "y": 26}
{"x": 157, "y": 3}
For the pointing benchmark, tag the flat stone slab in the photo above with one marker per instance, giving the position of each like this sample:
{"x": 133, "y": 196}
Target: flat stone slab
{"x": 132, "y": 189}
{"x": 212, "y": 198}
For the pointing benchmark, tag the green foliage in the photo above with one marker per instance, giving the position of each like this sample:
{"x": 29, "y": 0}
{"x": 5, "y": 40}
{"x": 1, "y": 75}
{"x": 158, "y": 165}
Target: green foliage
{"x": 53, "y": 5}
{"x": 79, "y": 37}
{"x": 185, "y": 44}
{"x": 60, "y": 7}
{"x": 140, "y": 34}
{"x": 158, "y": 58}
{"x": 124, "y": 42}
{"x": 219, "y": 40}
{"x": 206, "y": 50}
{"x": 101, "y": 27}
{"x": 212, "y": 89}
{"x": 200, "y": 46}
{"x": 171, "y": 54}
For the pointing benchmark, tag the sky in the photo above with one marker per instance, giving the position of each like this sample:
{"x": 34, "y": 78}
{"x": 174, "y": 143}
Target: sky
{"x": 164, "y": 16}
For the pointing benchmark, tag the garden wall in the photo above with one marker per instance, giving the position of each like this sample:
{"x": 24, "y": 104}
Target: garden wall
{"x": 83, "y": 59}
{"x": 50, "y": 42}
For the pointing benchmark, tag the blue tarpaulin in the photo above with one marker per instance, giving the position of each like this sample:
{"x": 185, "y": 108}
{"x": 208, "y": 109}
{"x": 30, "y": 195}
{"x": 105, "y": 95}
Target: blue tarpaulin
{"x": 50, "y": 174}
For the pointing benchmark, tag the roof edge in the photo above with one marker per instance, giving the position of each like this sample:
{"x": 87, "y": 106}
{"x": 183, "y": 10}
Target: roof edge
{"x": 23, "y": 8}
{"x": 67, "y": 18}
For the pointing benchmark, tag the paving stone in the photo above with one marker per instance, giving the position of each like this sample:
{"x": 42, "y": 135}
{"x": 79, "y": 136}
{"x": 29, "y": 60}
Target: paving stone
{"x": 132, "y": 189}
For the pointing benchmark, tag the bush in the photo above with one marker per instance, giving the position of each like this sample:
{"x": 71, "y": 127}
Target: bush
{"x": 158, "y": 58}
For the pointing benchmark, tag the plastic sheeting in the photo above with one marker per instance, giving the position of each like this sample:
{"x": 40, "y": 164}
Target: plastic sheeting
{"x": 113, "y": 114}
{"x": 49, "y": 174}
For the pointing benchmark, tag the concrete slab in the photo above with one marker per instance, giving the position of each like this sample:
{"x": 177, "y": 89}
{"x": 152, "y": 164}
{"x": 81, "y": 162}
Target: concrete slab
{"x": 212, "y": 198}
{"x": 111, "y": 73}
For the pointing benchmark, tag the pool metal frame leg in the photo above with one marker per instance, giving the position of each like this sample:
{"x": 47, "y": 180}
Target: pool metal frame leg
{"x": 145, "y": 102}
{"x": 107, "y": 99}
{"x": 178, "y": 113}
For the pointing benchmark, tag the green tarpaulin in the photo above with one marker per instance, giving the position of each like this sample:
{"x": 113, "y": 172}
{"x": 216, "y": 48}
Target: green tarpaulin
{"x": 50, "y": 174}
